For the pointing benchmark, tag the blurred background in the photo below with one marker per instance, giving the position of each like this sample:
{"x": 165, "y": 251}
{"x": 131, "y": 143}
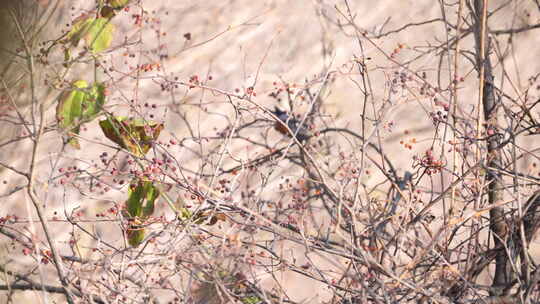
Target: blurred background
{"x": 235, "y": 47}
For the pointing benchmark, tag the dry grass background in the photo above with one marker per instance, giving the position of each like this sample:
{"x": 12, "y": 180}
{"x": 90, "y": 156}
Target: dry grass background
{"x": 256, "y": 43}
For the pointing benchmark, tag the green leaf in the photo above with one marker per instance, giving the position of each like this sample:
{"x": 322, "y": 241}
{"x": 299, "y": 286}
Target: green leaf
{"x": 134, "y": 135}
{"x": 94, "y": 101}
{"x": 79, "y": 105}
{"x": 97, "y": 33}
{"x": 141, "y": 198}
{"x": 135, "y": 235}
{"x": 142, "y": 195}
{"x": 251, "y": 300}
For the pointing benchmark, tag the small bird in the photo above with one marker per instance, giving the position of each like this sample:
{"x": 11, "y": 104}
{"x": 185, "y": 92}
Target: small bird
{"x": 294, "y": 125}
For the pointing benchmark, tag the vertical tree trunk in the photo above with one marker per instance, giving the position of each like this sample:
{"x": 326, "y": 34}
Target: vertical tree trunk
{"x": 490, "y": 106}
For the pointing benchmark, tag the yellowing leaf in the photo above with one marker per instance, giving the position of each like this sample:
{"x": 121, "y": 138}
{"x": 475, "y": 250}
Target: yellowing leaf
{"x": 107, "y": 12}
{"x": 134, "y": 135}
{"x": 135, "y": 235}
{"x": 182, "y": 212}
{"x": 201, "y": 217}
{"x": 118, "y": 3}
{"x": 96, "y": 32}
